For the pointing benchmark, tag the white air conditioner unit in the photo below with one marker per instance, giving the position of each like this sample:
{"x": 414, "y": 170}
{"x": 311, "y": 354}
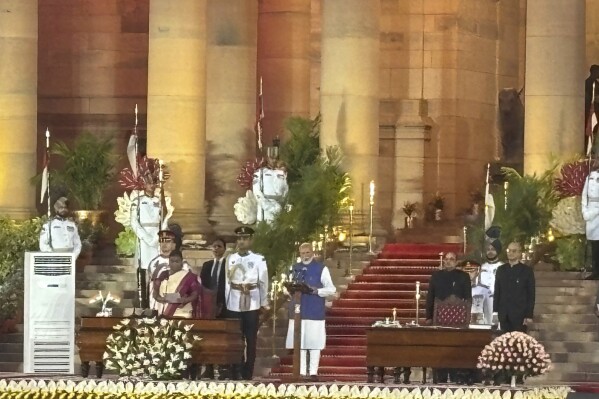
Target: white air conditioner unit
{"x": 49, "y": 314}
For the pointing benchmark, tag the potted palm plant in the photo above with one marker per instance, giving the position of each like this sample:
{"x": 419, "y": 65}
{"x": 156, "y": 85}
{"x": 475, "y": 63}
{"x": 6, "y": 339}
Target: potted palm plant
{"x": 88, "y": 169}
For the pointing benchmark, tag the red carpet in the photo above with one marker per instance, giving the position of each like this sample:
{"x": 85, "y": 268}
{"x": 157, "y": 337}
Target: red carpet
{"x": 387, "y": 283}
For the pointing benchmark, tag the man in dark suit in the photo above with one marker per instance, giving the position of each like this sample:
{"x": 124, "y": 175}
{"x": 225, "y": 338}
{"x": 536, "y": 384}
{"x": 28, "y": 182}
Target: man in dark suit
{"x": 213, "y": 279}
{"x": 514, "y": 295}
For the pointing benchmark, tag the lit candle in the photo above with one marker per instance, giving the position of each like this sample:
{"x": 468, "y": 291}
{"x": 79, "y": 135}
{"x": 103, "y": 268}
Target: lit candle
{"x": 417, "y": 289}
{"x": 47, "y": 138}
{"x": 135, "y": 114}
{"x": 160, "y": 172}
{"x": 371, "y": 189}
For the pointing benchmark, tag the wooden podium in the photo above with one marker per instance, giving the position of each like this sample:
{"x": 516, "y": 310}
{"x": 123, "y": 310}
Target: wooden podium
{"x": 297, "y": 289}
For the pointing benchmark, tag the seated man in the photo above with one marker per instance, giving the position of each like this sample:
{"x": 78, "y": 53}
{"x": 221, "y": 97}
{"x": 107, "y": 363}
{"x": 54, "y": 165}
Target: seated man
{"x": 178, "y": 290}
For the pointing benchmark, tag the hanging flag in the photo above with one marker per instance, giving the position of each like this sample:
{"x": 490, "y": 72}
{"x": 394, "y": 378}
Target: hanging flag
{"x": 591, "y": 122}
{"x": 45, "y": 174}
{"x": 260, "y": 116}
{"x": 489, "y": 203}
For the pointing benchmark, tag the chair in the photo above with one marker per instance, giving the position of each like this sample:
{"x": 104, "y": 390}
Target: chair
{"x": 452, "y": 312}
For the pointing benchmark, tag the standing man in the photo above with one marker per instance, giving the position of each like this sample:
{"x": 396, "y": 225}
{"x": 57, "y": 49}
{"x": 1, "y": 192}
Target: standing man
{"x": 146, "y": 213}
{"x": 213, "y": 279}
{"x": 482, "y": 306}
{"x": 313, "y": 334}
{"x": 246, "y": 294}
{"x": 514, "y": 296}
{"x": 59, "y": 234}
{"x": 442, "y": 284}
{"x": 488, "y": 270}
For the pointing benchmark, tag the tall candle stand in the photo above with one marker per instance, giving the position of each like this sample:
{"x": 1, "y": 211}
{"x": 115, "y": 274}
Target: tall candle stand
{"x": 348, "y": 272}
{"x": 370, "y": 252}
{"x": 417, "y": 296}
{"x": 275, "y": 289}
{"x": 465, "y": 239}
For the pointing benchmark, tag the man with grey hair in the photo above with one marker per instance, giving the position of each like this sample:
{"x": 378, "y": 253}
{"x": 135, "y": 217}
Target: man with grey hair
{"x": 313, "y": 334}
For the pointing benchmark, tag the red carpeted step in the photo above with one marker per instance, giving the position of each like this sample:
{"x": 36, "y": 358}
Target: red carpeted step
{"x": 409, "y": 255}
{"x": 406, "y": 262}
{"x": 342, "y": 350}
{"x": 377, "y": 278}
{"x": 401, "y": 270}
{"x": 378, "y": 294}
{"x": 338, "y": 361}
{"x": 339, "y": 340}
{"x": 326, "y": 370}
{"x": 422, "y": 248}
{"x": 347, "y": 330}
{"x": 371, "y": 303}
{"x": 377, "y": 313}
{"x": 382, "y": 286}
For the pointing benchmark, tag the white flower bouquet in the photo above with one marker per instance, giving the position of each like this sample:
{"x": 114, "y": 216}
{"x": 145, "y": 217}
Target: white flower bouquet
{"x": 149, "y": 347}
{"x": 514, "y": 354}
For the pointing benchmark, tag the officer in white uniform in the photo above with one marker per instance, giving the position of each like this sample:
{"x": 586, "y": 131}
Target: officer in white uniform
{"x": 246, "y": 294}
{"x": 146, "y": 213}
{"x": 60, "y": 234}
{"x": 590, "y": 213}
{"x": 489, "y": 268}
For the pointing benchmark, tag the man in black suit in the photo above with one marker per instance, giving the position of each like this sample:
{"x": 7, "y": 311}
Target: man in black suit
{"x": 514, "y": 295}
{"x": 213, "y": 278}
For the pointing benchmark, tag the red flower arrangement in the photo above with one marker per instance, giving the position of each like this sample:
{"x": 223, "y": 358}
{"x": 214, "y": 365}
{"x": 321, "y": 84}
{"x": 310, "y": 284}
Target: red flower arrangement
{"x": 572, "y": 178}
{"x": 246, "y": 175}
{"x": 147, "y": 166}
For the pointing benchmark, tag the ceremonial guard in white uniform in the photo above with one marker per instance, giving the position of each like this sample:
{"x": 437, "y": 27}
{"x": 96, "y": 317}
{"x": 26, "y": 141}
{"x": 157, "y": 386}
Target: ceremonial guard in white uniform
{"x": 590, "y": 213}
{"x": 482, "y": 305}
{"x": 488, "y": 270}
{"x": 246, "y": 294}
{"x": 60, "y": 234}
{"x": 313, "y": 334}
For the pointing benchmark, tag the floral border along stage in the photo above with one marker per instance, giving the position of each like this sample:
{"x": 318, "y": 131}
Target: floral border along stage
{"x": 109, "y": 390}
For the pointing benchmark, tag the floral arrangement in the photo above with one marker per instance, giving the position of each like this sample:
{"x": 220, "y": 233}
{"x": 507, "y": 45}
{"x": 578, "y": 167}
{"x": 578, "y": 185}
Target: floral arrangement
{"x": 438, "y": 201}
{"x": 515, "y": 354}
{"x": 105, "y": 312}
{"x": 572, "y": 176}
{"x": 150, "y": 347}
{"x": 409, "y": 208}
{"x": 566, "y": 217}
{"x": 112, "y": 390}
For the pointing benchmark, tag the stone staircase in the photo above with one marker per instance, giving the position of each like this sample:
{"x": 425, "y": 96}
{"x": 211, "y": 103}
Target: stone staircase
{"x": 566, "y": 326}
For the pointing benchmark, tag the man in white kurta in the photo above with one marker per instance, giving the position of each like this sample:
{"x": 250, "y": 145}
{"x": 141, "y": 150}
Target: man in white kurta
{"x": 60, "y": 234}
{"x": 590, "y": 213}
{"x": 313, "y": 334}
{"x": 246, "y": 294}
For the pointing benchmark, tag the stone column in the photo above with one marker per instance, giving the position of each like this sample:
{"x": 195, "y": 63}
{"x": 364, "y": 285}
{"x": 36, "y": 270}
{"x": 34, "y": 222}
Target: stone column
{"x": 412, "y": 131}
{"x": 177, "y": 103}
{"x": 18, "y": 107}
{"x": 284, "y": 62}
{"x": 555, "y": 73}
{"x": 230, "y": 105}
{"x": 349, "y": 88}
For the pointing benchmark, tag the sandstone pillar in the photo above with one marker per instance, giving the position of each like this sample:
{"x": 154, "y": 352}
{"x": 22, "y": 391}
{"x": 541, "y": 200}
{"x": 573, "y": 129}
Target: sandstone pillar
{"x": 349, "y": 89}
{"x": 284, "y": 62}
{"x": 177, "y": 103}
{"x": 555, "y": 72}
{"x": 230, "y": 105}
{"x": 412, "y": 131}
{"x": 18, "y": 107}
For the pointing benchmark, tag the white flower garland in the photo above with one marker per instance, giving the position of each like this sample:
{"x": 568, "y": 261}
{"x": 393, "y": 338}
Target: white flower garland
{"x": 110, "y": 389}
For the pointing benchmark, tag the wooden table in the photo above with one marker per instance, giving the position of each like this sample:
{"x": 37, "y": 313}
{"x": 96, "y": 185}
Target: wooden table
{"x": 435, "y": 347}
{"x": 221, "y": 341}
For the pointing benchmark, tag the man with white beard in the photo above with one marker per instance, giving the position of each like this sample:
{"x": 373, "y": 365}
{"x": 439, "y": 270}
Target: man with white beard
{"x": 313, "y": 334}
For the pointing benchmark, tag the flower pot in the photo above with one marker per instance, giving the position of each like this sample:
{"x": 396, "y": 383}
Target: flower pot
{"x": 409, "y": 222}
{"x": 438, "y": 214}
